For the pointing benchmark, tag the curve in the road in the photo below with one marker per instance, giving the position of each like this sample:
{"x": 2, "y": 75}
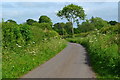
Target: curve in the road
{"x": 72, "y": 62}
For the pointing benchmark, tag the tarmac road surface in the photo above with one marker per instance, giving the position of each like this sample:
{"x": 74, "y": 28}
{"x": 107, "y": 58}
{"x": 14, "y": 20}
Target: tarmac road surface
{"x": 72, "y": 62}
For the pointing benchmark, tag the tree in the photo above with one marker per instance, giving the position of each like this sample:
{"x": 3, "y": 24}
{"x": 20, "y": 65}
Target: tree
{"x": 98, "y": 22}
{"x": 73, "y": 13}
{"x": 30, "y": 21}
{"x": 44, "y": 26}
{"x": 45, "y": 19}
{"x": 76, "y": 30}
{"x": 11, "y": 21}
{"x": 2, "y": 20}
{"x": 86, "y": 26}
{"x": 68, "y": 27}
{"x": 112, "y": 22}
{"x": 60, "y": 28}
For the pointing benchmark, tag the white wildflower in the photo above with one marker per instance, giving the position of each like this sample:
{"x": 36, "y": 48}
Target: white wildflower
{"x": 98, "y": 33}
{"x": 33, "y": 42}
{"x": 95, "y": 38}
{"x": 5, "y": 47}
{"x": 45, "y": 39}
{"x": 90, "y": 41}
{"x": 104, "y": 34}
{"x": 33, "y": 51}
{"x": 116, "y": 38}
{"x": 19, "y": 46}
{"x": 96, "y": 29}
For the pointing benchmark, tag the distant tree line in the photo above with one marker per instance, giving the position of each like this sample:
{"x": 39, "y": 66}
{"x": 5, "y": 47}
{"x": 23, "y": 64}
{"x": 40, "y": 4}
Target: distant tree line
{"x": 74, "y": 14}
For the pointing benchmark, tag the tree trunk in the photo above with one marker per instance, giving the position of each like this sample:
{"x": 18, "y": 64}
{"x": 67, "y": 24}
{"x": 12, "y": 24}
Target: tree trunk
{"x": 72, "y": 30}
{"x": 63, "y": 30}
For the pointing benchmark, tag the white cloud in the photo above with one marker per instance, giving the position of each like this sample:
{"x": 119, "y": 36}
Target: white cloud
{"x": 25, "y": 10}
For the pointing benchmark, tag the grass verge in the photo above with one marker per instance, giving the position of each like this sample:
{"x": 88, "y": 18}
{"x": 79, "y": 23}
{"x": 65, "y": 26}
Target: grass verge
{"x": 19, "y": 61}
{"x": 103, "y": 52}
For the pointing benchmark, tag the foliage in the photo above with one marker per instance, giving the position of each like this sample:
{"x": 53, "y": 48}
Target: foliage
{"x": 112, "y": 22}
{"x": 44, "y": 26}
{"x": 82, "y": 34}
{"x": 15, "y": 64}
{"x": 30, "y": 21}
{"x": 103, "y": 51}
{"x": 68, "y": 27}
{"x": 63, "y": 28}
{"x": 27, "y": 46}
{"x": 45, "y": 19}
{"x": 0, "y": 50}
{"x": 15, "y": 34}
{"x": 73, "y": 13}
{"x": 86, "y": 26}
{"x": 26, "y": 32}
{"x": 110, "y": 29}
{"x": 11, "y": 21}
{"x": 76, "y": 30}
{"x": 60, "y": 28}
{"x": 98, "y": 22}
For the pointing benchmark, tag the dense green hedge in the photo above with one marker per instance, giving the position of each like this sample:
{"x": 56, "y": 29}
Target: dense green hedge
{"x": 103, "y": 51}
{"x": 26, "y": 47}
{"x": 14, "y": 35}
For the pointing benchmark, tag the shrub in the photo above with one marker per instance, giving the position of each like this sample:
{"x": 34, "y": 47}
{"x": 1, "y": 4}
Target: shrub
{"x": 44, "y": 26}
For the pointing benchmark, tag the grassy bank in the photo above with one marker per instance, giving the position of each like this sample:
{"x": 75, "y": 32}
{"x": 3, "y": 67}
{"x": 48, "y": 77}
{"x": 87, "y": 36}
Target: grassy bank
{"x": 16, "y": 63}
{"x": 103, "y": 52}
{"x": 0, "y": 62}
{"x": 25, "y": 47}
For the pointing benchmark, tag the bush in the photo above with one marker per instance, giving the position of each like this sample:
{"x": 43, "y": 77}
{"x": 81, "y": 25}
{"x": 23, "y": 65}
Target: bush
{"x": 26, "y": 47}
{"x": 81, "y": 34}
{"x": 109, "y": 29}
{"x": 26, "y": 33}
{"x": 15, "y": 34}
{"x": 44, "y": 26}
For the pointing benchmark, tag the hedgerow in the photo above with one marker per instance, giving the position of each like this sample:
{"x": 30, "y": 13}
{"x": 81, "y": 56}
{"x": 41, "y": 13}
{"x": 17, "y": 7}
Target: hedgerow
{"x": 25, "y": 47}
{"x": 103, "y": 50}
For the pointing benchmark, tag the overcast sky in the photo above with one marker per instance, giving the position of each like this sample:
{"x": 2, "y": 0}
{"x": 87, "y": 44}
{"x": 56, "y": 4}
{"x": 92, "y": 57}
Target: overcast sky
{"x": 21, "y": 11}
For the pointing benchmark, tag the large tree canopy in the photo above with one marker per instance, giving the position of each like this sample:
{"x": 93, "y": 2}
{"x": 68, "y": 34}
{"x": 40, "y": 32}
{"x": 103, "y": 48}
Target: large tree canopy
{"x": 73, "y": 13}
{"x": 45, "y": 19}
{"x": 86, "y": 26}
{"x": 59, "y": 27}
{"x": 98, "y": 22}
{"x": 68, "y": 27}
{"x": 11, "y": 21}
{"x": 30, "y": 21}
{"x": 112, "y": 22}
{"x": 63, "y": 28}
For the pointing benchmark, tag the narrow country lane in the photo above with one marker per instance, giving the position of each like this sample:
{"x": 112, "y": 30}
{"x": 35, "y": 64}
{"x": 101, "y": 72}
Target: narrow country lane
{"x": 72, "y": 62}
